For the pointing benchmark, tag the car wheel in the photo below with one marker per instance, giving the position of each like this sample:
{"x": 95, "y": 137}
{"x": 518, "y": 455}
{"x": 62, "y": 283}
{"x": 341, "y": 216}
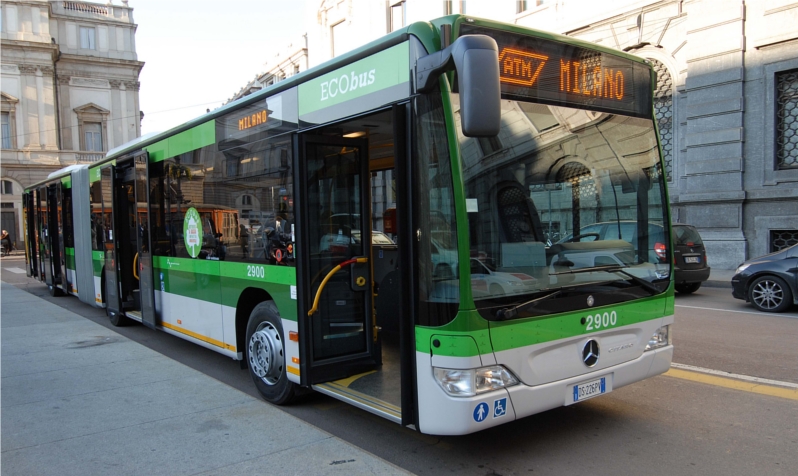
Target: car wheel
{"x": 687, "y": 288}
{"x": 266, "y": 354}
{"x": 770, "y": 294}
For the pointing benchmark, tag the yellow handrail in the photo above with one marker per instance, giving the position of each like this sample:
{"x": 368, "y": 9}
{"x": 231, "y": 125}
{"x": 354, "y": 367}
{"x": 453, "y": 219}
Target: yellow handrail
{"x": 327, "y": 278}
{"x": 135, "y": 274}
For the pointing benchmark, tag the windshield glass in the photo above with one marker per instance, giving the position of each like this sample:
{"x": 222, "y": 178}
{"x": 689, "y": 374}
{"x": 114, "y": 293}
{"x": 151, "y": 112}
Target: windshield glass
{"x": 559, "y": 201}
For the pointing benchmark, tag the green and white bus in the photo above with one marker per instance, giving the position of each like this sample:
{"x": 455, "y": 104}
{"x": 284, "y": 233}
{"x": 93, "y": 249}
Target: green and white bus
{"x": 456, "y": 226}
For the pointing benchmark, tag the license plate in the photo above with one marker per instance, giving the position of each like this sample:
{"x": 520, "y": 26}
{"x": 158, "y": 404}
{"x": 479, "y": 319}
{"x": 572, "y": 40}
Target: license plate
{"x": 692, "y": 259}
{"x": 591, "y": 389}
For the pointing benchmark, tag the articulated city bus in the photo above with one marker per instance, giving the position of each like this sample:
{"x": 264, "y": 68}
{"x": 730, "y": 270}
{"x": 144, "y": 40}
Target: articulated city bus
{"x": 385, "y": 228}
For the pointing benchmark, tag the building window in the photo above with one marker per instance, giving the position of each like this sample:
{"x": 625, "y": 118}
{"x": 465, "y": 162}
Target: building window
{"x": 521, "y": 6}
{"x": 663, "y": 111}
{"x": 489, "y": 145}
{"x": 447, "y": 7}
{"x": 398, "y": 19}
{"x": 6, "y": 129}
{"x": 787, "y": 120}
{"x": 780, "y": 239}
{"x": 93, "y": 135}
{"x": 7, "y": 187}
{"x": 87, "y": 38}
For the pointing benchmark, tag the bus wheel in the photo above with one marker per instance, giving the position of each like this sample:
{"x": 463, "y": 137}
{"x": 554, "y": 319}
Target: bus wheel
{"x": 266, "y": 354}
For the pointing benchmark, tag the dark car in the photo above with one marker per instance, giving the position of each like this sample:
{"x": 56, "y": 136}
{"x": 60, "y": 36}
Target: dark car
{"x": 769, "y": 282}
{"x": 689, "y": 259}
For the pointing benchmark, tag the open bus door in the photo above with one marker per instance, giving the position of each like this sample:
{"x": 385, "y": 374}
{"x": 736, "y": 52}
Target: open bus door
{"x": 336, "y": 325}
{"x": 128, "y": 258}
{"x": 45, "y": 252}
{"x": 59, "y": 211}
{"x": 29, "y": 227}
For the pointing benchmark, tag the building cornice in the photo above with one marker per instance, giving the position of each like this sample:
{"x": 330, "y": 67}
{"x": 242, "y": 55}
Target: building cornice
{"x": 99, "y": 60}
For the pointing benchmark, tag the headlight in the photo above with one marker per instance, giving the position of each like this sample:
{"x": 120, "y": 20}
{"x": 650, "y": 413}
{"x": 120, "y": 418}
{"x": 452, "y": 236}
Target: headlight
{"x": 470, "y": 382}
{"x": 661, "y": 338}
{"x": 741, "y": 268}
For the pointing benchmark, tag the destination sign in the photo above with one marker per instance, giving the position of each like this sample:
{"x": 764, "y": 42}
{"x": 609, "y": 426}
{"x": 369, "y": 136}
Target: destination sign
{"x": 552, "y": 72}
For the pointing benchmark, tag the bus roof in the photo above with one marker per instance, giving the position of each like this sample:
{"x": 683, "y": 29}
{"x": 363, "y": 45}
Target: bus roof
{"x": 427, "y": 32}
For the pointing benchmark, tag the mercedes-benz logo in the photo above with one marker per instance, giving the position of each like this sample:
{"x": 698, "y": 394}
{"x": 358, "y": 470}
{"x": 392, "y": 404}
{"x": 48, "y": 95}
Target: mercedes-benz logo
{"x": 590, "y": 353}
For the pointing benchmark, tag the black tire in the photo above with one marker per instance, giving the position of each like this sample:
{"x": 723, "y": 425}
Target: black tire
{"x": 770, "y": 294}
{"x": 687, "y": 288}
{"x": 55, "y": 291}
{"x": 265, "y": 354}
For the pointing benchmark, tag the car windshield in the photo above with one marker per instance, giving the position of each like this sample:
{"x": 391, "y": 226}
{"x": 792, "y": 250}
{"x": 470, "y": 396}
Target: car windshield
{"x": 560, "y": 200}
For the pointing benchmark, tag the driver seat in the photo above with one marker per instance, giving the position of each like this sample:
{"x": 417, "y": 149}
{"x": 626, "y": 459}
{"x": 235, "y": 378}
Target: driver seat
{"x": 518, "y": 216}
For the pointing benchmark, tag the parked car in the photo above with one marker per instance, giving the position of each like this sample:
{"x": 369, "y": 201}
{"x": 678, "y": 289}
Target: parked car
{"x": 690, "y": 267}
{"x": 690, "y": 257}
{"x": 487, "y": 281}
{"x": 769, "y": 282}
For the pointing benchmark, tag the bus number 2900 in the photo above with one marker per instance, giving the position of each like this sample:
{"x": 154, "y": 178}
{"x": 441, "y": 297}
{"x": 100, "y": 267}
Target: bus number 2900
{"x": 256, "y": 271}
{"x": 601, "y": 321}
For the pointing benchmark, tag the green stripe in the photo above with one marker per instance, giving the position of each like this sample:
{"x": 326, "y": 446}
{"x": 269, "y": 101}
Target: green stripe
{"x": 66, "y": 182}
{"x": 222, "y": 282}
{"x": 94, "y": 173}
{"x": 97, "y": 260}
{"x": 70, "y": 258}
{"x": 377, "y": 72}
{"x": 536, "y": 330}
{"x": 192, "y": 139}
{"x": 257, "y": 273}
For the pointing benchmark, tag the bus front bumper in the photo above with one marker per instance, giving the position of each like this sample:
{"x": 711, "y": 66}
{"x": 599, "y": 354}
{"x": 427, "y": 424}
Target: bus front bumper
{"x": 441, "y": 414}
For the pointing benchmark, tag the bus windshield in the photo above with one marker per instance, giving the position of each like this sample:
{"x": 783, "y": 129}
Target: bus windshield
{"x": 564, "y": 200}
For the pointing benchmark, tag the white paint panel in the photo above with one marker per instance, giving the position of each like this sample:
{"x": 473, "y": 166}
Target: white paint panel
{"x": 291, "y": 348}
{"x": 441, "y": 414}
{"x": 193, "y": 315}
{"x": 557, "y": 360}
{"x": 98, "y": 286}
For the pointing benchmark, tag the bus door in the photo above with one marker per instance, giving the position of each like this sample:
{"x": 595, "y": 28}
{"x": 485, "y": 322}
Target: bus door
{"x": 131, "y": 229}
{"x": 29, "y": 226}
{"x": 60, "y": 274}
{"x": 335, "y": 284}
{"x": 45, "y": 262}
{"x": 110, "y": 270}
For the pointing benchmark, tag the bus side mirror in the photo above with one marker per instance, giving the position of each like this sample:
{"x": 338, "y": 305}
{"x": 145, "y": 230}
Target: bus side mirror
{"x": 476, "y": 60}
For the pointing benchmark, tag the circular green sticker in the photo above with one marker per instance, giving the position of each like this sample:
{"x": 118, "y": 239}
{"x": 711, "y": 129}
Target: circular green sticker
{"x": 192, "y": 234}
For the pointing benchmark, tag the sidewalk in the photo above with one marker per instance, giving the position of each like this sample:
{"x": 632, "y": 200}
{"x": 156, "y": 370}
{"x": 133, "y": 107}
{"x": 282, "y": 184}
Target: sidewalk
{"x": 719, "y": 278}
{"x": 79, "y": 399}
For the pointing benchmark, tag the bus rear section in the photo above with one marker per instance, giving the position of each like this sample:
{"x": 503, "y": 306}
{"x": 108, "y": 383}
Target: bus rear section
{"x": 569, "y": 293}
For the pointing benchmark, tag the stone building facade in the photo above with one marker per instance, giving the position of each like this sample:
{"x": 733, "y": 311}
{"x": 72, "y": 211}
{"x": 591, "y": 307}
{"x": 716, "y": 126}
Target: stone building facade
{"x": 727, "y": 107}
{"x": 726, "y": 99}
{"x": 69, "y": 90}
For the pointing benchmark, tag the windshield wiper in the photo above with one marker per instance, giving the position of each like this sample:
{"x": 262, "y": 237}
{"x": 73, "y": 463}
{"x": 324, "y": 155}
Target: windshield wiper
{"x": 615, "y": 269}
{"x": 511, "y": 312}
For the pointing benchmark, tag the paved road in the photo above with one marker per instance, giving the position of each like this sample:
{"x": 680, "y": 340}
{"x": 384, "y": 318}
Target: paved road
{"x": 662, "y": 426}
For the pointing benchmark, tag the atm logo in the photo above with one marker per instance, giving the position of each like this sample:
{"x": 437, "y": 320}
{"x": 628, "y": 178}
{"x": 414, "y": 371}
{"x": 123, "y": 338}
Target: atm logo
{"x": 520, "y": 67}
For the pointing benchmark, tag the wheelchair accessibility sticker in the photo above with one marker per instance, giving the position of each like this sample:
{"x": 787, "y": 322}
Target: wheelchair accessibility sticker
{"x": 499, "y": 407}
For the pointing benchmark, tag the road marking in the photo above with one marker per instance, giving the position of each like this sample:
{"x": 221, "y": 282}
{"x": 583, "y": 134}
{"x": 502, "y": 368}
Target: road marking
{"x": 721, "y": 373}
{"x": 770, "y": 314}
{"x": 15, "y": 270}
{"x": 747, "y": 385}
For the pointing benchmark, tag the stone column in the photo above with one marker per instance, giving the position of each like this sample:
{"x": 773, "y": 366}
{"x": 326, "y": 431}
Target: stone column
{"x": 713, "y": 195}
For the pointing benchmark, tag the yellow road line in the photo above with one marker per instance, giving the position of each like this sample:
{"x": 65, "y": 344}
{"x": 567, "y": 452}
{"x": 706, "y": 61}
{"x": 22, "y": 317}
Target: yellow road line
{"x": 788, "y": 393}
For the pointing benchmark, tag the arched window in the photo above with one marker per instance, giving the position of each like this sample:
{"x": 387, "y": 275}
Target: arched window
{"x": 663, "y": 111}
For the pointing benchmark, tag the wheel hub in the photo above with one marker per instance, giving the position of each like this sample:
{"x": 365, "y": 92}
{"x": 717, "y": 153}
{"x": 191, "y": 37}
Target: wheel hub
{"x": 266, "y": 353}
{"x": 768, "y": 294}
